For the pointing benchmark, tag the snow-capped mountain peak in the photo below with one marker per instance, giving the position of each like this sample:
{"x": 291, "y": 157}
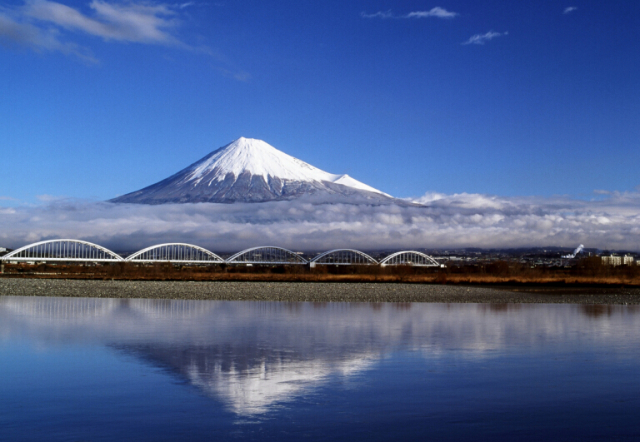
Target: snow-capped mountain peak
{"x": 257, "y": 158}
{"x": 249, "y": 170}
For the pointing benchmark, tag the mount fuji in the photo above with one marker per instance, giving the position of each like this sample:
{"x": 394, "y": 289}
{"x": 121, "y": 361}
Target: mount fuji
{"x": 250, "y": 170}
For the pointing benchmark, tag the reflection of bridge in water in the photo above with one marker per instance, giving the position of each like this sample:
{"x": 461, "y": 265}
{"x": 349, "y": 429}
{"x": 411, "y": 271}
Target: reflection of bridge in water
{"x": 74, "y": 250}
{"x": 60, "y": 308}
{"x": 93, "y": 308}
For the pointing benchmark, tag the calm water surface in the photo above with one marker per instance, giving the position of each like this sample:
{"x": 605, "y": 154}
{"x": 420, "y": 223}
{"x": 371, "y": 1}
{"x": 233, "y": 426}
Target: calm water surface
{"x": 94, "y": 369}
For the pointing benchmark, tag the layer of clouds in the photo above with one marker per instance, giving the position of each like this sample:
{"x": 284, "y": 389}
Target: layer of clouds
{"x": 480, "y": 39}
{"x": 437, "y": 12}
{"x": 570, "y": 9}
{"x": 461, "y": 220}
{"x": 44, "y": 25}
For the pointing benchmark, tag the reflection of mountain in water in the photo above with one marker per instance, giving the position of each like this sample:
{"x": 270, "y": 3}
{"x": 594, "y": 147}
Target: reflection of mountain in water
{"x": 251, "y": 355}
{"x": 249, "y": 380}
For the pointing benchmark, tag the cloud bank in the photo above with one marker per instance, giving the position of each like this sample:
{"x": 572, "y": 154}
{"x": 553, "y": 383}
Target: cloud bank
{"x": 444, "y": 221}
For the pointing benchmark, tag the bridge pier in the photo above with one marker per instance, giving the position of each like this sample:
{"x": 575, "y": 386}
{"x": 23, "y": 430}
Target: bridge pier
{"x": 2, "y": 267}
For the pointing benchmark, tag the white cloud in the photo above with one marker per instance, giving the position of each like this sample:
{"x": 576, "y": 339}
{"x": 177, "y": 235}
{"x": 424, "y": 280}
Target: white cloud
{"x": 44, "y": 25}
{"x": 480, "y": 39}
{"x": 130, "y": 22}
{"x": 379, "y": 14}
{"x": 433, "y": 12}
{"x": 14, "y": 31}
{"x": 236, "y": 74}
{"x": 460, "y": 220}
{"x": 569, "y": 9}
{"x": 45, "y": 198}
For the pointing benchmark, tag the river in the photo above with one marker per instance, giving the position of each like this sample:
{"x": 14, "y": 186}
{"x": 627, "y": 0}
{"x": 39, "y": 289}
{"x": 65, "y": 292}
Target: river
{"x": 139, "y": 369}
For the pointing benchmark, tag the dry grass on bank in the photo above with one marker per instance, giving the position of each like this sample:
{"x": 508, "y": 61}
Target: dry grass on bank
{"x": 588, "y": 271}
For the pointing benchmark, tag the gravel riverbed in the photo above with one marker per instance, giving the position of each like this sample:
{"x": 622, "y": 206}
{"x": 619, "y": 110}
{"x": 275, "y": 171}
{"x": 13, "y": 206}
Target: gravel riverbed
{"x": 312, "y": 292}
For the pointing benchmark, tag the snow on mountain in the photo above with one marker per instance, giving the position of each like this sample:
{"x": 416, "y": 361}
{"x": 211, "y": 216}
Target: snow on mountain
{"x": 262, "y": 159}
{"x": 248, "y": 170}
{"x": 346, "y": 180}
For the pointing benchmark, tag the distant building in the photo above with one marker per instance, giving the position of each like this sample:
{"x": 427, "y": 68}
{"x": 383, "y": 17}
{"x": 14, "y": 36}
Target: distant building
{"x": 612, "y": 260}
{"x": 2, "y": 249}
{"x": 615, "y": 260}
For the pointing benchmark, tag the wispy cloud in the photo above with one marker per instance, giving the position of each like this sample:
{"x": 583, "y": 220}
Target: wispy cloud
{"x": 570, "y": 9}
{"x": 7, "y": 198}
{"x": 480, "y": 39}
{"x": 434, "y": 12}
{"x": 130, "y": 22}
{"x": 437, "y": 12}
{"x": 45, "y": 198}
{"x": 14, "y": 31}
{"x": 49, "y": 26}
{"x": 238, "y": 75}
{"x": 44, "y": 25}
{"x": 379, "y": 14}
{"x": 461, "y": 220}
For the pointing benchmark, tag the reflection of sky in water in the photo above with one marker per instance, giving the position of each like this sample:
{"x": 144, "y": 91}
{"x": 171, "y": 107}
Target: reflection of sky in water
{"x": 277, "y": 361}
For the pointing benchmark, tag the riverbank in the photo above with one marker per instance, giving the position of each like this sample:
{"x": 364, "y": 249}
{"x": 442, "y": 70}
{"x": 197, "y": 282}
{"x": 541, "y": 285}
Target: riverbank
{"x": 478, "y": 279}
{"x": 586, "y": 273}
{"x": 314, "y": 292}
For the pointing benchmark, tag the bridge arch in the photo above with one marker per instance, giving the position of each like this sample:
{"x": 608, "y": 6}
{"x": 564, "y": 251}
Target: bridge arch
{"x": 63, "y": 250}
{"x": 343, "y": 257}
{"x": 176, "y": 252}
{"x": 266, "y": 255}
{"x": 410, "y": 257}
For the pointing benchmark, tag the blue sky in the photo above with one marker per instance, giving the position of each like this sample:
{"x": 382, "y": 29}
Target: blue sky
{"x": 536, "y": 98}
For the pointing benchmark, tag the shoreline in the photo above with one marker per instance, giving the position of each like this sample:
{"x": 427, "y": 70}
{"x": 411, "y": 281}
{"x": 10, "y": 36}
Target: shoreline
{"x": 316, "y": 291}
{"x": 477, "y": 280}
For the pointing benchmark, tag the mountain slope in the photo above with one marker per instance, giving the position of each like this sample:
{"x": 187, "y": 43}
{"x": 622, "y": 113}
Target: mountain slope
{"x": 249, "y": 170}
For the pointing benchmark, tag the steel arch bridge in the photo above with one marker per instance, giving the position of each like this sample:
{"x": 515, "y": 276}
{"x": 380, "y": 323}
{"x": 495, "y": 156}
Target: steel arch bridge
{"x": 343, "y": 257}
{"x": 267, "y": 255}
{"x": 176, "y": 253}
{"x": 63, "y": 250}
{"x": 73, "y": 250}
{"x": 409, "y": 257}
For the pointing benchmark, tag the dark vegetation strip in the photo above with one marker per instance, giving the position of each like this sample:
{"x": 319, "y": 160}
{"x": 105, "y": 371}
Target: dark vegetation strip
{"x": 589, "y": 272}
